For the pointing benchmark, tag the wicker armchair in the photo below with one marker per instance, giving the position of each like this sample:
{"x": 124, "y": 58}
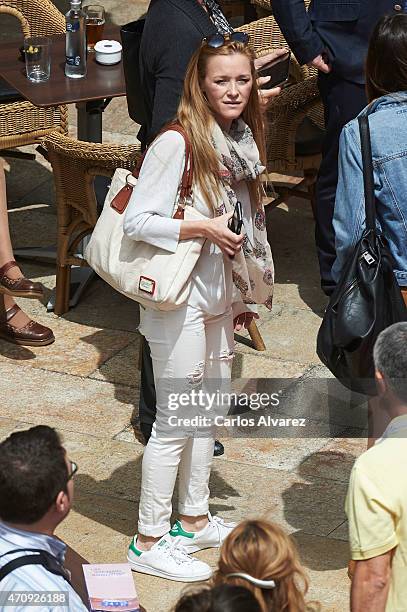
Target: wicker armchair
{"x": 295, "y": 119}
{"x": 75, "y": 165}
{"x": 21, "y": 122}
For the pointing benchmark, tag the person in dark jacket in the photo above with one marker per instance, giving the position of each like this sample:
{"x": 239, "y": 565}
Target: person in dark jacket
{"x": 333, "y": 37}
{"x": 173, "y": 31}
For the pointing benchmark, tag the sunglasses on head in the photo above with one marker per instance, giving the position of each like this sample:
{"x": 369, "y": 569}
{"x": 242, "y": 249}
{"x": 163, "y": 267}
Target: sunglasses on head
{"x": 218, "y": 40}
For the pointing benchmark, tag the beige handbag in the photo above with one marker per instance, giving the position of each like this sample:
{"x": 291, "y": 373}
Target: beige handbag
{"x": 147, "y": 274}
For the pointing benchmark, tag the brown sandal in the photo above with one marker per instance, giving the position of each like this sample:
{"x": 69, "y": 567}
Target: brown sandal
{"x": 20, "y": 287}
{"x": 32, "y": 334}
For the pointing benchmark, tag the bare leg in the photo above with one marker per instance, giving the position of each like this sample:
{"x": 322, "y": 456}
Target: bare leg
{"x": 194, "y": 523}
{"x": 6, "y": 253}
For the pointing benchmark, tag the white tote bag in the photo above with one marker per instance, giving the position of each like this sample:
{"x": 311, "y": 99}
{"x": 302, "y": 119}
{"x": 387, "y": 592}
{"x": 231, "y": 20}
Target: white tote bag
{"x": 147, "y": 274}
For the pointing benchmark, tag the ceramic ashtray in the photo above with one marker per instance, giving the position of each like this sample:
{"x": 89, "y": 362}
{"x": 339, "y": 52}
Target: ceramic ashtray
{"x": 108, "y": 52}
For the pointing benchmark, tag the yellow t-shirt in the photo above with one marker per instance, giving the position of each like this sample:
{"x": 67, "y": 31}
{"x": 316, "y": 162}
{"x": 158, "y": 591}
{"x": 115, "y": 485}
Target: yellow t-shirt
{"x": 376, "y": 506}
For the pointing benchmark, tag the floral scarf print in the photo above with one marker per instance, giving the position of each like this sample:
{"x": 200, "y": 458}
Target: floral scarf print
{"x": 253, "y": 268}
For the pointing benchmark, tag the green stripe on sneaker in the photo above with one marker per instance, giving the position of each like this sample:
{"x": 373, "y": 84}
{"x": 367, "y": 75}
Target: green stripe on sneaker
{"x": 177, "y": 530}
{"x": 133, "y": 548}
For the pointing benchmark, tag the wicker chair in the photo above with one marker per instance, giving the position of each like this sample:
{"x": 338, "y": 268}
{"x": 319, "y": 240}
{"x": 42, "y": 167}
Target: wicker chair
{"x": 21, "y": 122}
{"x": 75, "y": 165}
{"x": 295, "y": 120}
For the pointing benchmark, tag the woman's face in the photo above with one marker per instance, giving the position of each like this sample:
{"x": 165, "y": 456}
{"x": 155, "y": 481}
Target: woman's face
{"x": 227, "y": 86}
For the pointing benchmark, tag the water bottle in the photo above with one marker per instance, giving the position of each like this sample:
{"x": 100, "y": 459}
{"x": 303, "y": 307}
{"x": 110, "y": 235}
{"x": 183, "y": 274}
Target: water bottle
{"x": 75, "y": 64}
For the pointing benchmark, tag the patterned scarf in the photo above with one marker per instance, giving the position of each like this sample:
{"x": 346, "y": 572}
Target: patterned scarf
{"x": 218, "y": 18}
{"x": 253, "y": 269}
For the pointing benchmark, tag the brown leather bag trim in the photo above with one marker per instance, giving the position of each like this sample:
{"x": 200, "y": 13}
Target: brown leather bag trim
{"x": 121, "y": 199}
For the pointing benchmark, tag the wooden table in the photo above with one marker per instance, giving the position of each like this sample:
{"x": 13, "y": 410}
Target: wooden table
{"x": 91, "y": 94}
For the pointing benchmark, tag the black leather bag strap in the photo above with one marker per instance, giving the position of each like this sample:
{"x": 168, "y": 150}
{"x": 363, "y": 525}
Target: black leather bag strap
{"x": 48, "y": 561}
{"x": 368, "y": 176}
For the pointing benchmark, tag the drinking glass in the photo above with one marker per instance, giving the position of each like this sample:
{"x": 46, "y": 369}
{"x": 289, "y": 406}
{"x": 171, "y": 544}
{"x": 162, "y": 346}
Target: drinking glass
{"x": 37, "y": 58}
{"x": 95, "y": 23}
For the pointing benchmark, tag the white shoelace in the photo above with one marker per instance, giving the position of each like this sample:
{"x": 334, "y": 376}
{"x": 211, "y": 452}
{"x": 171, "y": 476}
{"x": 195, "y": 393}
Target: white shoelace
{"x": 179, "y": 553}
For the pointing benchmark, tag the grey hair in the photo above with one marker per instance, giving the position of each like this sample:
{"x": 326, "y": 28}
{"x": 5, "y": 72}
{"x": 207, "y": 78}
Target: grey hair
{"x": 390, "y": 358}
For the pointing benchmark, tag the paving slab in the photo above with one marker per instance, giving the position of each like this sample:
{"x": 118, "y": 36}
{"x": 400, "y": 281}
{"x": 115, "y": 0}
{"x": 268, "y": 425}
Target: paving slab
{"x": 255, "y": 365}
{"x": 7, "y": 426}
{"x": 32, "y": 227}
{"x": 341, "y": 533}
{"x": 289, "y": 334}
{"x": 78, "y": 349}
{"x": 63, "y": 401}
{"x": 278, "y": 453}
{"x": 325, "y": 561}
{"x": 123, "y": 367}
{"x": 116, "y": 119}
{"x": 24, "y": 178}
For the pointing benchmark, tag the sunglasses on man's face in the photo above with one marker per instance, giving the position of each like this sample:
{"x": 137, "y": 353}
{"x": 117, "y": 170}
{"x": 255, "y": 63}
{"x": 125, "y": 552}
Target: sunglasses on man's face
{"x": 74, "y": 469}
{"x": 218, "y": 40}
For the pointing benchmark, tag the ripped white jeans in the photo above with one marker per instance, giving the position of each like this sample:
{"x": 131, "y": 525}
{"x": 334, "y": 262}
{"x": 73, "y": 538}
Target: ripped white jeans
{"x": 188, "y": 347}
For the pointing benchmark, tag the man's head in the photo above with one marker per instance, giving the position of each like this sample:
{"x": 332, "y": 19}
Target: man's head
{"x": 390, "y": 358}
{"x": 35, "y": 478}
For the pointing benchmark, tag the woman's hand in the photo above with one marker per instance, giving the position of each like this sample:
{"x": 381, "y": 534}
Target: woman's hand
{"x": 266, "y": 95}
{"x": 244, "y": 320}
{"x": 217, "y": 231}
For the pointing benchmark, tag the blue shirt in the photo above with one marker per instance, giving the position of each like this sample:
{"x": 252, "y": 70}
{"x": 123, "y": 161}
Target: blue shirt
{"x": 388, "y": 131}
{"x": 34, "y": 577}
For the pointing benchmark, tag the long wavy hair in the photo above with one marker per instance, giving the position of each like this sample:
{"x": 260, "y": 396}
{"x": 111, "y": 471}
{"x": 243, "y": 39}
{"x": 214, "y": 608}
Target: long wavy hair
{"x": 195, "y": 116}
{"x": 386, "y": 63}
{"x": 262, "y": 550}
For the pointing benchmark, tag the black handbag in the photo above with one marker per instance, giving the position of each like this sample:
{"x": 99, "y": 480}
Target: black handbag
{"x": 131, "y": 34}
{"x": 366, "y": 300}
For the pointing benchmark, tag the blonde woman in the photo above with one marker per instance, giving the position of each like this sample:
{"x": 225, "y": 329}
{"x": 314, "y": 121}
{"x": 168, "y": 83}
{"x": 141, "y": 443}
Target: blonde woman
{"x": 193, "y": 345}
{"x": 258, "y": 555}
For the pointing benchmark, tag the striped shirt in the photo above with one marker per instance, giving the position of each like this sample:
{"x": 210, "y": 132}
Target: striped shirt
{"x": 34, "y": 577}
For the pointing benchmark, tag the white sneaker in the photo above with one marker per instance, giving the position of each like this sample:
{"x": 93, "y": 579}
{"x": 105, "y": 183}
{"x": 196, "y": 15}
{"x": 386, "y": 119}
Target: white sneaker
{"x": 210, "y": 536}
{"x": 168, "y": 559}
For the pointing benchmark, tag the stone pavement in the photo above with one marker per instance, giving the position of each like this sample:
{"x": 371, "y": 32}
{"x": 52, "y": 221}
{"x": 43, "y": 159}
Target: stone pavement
{"x": 86, "y": 385}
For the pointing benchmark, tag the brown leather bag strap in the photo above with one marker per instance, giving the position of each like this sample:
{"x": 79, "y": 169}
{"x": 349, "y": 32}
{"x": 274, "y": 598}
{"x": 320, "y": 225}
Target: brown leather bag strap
{"x": 121, "y": 199}
{"x": 187, "y": 176}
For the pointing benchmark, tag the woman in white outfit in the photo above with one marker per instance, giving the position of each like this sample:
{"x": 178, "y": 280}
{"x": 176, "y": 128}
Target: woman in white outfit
{"x": 193, "y": 345}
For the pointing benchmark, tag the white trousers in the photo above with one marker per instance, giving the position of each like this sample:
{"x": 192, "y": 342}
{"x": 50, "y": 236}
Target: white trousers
{"x": 188, "y": 347}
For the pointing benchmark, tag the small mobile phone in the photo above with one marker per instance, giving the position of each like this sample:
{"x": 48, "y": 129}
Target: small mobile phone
{"x": 278, "y": 70}
{"x": 236, "y": 222}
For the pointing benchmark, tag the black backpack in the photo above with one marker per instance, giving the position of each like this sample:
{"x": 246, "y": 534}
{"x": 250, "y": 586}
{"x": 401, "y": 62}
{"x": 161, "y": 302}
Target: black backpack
{"x": 366, "y": 300}
{"x": 42, "y": 557}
